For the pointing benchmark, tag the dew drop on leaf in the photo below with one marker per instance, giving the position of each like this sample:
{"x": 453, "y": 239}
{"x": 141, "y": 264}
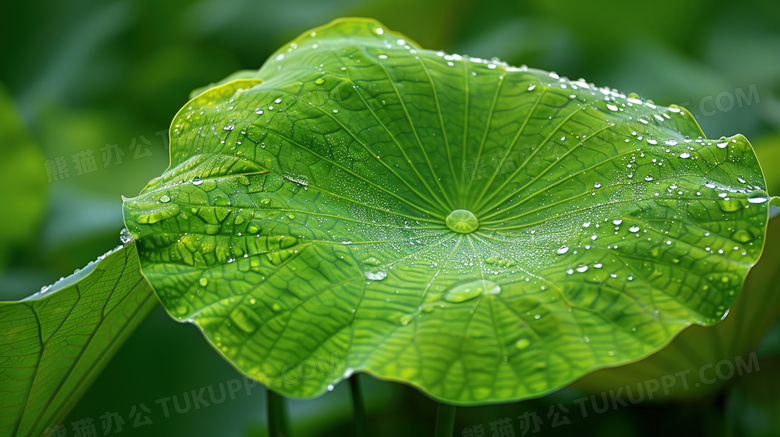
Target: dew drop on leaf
{"x": 743, "y": 236}
{"x": 372, "y": 261}
{"x": 758, "y": 200}
{"x": 523, "y": 343}
{"x": 471, "y": 290}
{"x": 729, "y": 205}
{"x": 245, "y": 319}
{"x": 376, "y": 276}
{"x": 125, "y": 236}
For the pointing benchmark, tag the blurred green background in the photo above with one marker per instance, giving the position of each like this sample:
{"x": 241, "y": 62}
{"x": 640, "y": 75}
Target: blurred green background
{"x": 88, "y": 89}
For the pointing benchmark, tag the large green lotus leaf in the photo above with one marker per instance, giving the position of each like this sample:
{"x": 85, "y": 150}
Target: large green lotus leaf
{"x": 54, "y": 343}
{"x": 483, "y": 232}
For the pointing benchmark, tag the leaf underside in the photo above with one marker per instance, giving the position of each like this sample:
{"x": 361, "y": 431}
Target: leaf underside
{"x": 303, "y": 220}
{"x": 54, "y": 343}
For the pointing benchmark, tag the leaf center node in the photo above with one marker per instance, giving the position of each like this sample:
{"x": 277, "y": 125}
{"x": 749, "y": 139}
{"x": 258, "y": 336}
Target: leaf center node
{"x": 462, "y": 221}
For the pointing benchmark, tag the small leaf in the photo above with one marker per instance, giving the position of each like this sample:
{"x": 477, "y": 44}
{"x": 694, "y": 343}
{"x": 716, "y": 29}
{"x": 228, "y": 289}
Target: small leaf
{"x": 483, "y": 232}
{"x": 54, "y": 343}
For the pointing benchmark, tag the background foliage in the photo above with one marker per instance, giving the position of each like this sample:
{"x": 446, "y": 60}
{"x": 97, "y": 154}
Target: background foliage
{"x": 87, "y": 75}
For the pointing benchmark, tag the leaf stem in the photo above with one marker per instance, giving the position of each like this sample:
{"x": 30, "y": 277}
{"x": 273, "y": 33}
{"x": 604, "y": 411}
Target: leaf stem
{"x": 445, "y": 420}
{"x": 277, "y": 414}
{"x": 358, "y": 408}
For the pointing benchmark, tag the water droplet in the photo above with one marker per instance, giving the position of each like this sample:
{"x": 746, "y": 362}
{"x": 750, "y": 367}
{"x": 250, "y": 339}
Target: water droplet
{"x": 523, "y": 343}
{"x": 758, "y": 200}
{"x": 371, "y": 261}
{"x": 729, "y": 205}
{"x": 245, "y": 319}
{"x": 561, "y": 250}
{"x": 197, "y": 180}
{"x": 685, "y": 155}
{"x": 203, "y": 282}
{"x": 376, "y": 276}
{"x": 330, "y": 387}
{"x": 462, "y": 221}
{"x": 125, "y": 236}
{"x": 617, "y": 222}
{"x": 276, "y": 307}
{"x": 743, "y": 236}
{"x": 405, "y": 319}
{"x": 163, "y": 212}
{"x": 319, "y": 81}
{"x": 165, "y": 199}
{"x": 471, "y": 290}
{"x": 634, "y": 229}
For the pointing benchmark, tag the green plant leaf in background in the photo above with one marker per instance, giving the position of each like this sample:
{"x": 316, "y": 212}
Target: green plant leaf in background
{"x": 23, "y": 178}
{"x": 483, "y": 232}
{"x": 54, "y": 343}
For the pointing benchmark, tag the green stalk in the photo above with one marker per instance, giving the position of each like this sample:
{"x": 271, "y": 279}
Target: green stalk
{"x": 358, "y": 409}
{"x": 277, "y": 414}
{"x": 445, "y": 420}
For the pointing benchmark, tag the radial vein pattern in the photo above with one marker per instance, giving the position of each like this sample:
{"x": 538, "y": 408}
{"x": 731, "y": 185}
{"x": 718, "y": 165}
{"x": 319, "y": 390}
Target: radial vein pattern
{"x": 483, "y": 232}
